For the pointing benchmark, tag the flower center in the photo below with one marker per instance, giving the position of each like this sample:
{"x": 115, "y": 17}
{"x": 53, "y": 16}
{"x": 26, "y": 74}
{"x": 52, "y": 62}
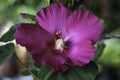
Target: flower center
{"x": 59, "y": 43}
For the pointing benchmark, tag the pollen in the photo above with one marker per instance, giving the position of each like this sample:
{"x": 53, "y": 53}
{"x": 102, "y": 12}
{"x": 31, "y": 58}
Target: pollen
{"x": 59, "y": 45}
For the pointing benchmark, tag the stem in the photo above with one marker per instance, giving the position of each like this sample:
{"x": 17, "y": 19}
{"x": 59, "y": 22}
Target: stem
{"x": 72, "y": 3}
{"x": 26, "y": 67}
{"x": 48, "y": 2}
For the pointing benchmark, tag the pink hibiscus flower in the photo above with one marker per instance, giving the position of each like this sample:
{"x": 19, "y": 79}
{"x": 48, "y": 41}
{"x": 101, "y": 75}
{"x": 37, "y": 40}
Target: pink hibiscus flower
{"x": 61, "y": 38}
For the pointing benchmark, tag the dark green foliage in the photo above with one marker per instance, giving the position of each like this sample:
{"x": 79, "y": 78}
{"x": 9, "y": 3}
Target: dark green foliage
{"x": 6, "y": 52}
{"x": 70, "y": 3}
{"x": 88, "y": 72}
{"x": 95, "y": 7}
{"x": 9, "y": 36}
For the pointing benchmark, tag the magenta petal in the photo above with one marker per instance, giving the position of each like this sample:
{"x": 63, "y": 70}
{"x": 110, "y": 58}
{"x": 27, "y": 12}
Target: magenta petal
{"x": 83, "y": 25}
{"x": 41, "y": 46}
{"x": 57, "y": 62}
{"x": 33, "y": 37}
{"x": 53, "y": 17}
{"x": 81, "y": 53}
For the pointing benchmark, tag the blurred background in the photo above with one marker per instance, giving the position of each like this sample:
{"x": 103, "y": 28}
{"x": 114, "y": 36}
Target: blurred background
{"x": 107, "y": 10}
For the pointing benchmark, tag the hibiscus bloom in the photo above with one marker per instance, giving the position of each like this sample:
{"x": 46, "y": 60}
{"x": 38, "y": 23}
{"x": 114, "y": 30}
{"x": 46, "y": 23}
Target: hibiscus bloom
{"x": 61, "y": 38}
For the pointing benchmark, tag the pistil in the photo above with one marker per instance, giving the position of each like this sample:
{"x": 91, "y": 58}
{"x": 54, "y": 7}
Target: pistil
{"x": 59, "y": 42}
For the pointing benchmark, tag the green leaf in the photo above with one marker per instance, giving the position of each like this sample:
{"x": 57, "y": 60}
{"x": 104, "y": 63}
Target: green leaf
{"x": 100, "y": 49}
{"x": 43, "y": 72}
{"x": 9, "y": 35}
{"x": 87, "y": 72}
{"x": 6, "y": 52}
{"x": 27, "y": 71}
{"x": 28, "y": 18}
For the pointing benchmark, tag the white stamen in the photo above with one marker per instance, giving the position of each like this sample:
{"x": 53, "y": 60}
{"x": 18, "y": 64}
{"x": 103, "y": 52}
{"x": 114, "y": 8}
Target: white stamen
{"x": 59, "y": 44}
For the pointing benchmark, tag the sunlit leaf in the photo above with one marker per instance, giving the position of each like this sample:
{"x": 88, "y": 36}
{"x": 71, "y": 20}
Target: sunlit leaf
{"x": 6, "y": 52}
{"x": 9, "y": 36}
{"x": 45, "y": 3}
{"x": 28, "y": 18}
